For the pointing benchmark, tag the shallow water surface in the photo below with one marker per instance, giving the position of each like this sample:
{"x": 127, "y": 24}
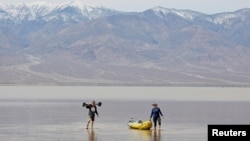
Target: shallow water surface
{"x": 63, "y": 120}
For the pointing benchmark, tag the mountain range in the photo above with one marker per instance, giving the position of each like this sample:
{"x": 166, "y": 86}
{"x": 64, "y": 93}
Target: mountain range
{"x": 79, "y": 44}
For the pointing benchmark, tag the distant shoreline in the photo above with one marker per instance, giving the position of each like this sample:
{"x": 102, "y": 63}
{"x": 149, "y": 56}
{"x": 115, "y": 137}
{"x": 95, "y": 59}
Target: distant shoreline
{"x": 130, "y": 85}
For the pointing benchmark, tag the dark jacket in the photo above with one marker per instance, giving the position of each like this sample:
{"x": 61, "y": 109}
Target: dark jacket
{"x": 156, "y": 112}
{"x": 92, "y": 110}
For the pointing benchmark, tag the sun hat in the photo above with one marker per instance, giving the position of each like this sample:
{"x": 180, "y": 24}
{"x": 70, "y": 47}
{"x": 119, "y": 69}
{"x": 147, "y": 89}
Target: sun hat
{"x": 154, "y": 104}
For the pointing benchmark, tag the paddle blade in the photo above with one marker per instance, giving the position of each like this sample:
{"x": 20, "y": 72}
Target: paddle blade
{"x": 84, "y": 104}
{"x": 99, "y": 104}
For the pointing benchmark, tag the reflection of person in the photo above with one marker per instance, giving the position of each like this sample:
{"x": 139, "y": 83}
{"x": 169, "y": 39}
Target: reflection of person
{"x": 92, "y": 111}
{"x": 156, "y": 135}
{"x": 91, "y": 135}
{"x": 156, "y": 115}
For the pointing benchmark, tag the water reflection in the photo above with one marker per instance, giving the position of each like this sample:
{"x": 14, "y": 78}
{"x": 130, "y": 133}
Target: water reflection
{"x": 91, "y": 135}
{"x": 156, "y": 135}
{"x": 150, "y": 135}
{"x": 145, "y": 134}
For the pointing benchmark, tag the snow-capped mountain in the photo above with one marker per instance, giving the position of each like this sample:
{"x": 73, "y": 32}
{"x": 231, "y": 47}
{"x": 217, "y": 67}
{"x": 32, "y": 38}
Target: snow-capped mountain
{"x": 72, "y": 11}
{"x": 78, "y": 11}
{"x": 228, "y": 17}
{"x": 220, "y": 18}
{"x": 186, "y": 14}
{"x": 79, "y": 44}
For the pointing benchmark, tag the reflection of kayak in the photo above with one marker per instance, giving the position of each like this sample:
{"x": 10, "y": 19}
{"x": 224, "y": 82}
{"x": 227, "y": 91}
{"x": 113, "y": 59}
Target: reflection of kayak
{"x": 139, "y": 124}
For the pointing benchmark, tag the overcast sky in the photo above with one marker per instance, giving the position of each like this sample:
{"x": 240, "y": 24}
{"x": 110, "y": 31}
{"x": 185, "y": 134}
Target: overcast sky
{"x": 205, "y": 6}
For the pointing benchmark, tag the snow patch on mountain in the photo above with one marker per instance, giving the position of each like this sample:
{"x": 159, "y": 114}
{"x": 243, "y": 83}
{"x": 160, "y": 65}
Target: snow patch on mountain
{"x": 186, "y": 14}
{"x": 75, "y": 10}
{"x": 228, "y": 18}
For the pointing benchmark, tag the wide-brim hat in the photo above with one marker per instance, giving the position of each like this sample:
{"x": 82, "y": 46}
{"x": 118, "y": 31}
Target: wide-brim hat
{"x": 154, "y": 104}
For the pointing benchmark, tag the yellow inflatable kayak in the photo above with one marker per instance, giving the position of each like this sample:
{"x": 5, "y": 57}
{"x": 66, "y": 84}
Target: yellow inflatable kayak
{"x": 139, "y": 124}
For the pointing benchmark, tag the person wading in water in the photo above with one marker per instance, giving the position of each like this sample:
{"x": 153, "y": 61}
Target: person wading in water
{"x": 92, "y": 112}
{"x": 156, "y": 115}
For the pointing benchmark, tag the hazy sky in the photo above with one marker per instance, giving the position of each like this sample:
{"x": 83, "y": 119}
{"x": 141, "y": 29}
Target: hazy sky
{"x": 205, "y": 6}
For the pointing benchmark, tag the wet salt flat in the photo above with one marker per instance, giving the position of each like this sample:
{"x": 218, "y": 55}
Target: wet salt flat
{"x": 56, "y": 118}
{"x": 63, "y": 120}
